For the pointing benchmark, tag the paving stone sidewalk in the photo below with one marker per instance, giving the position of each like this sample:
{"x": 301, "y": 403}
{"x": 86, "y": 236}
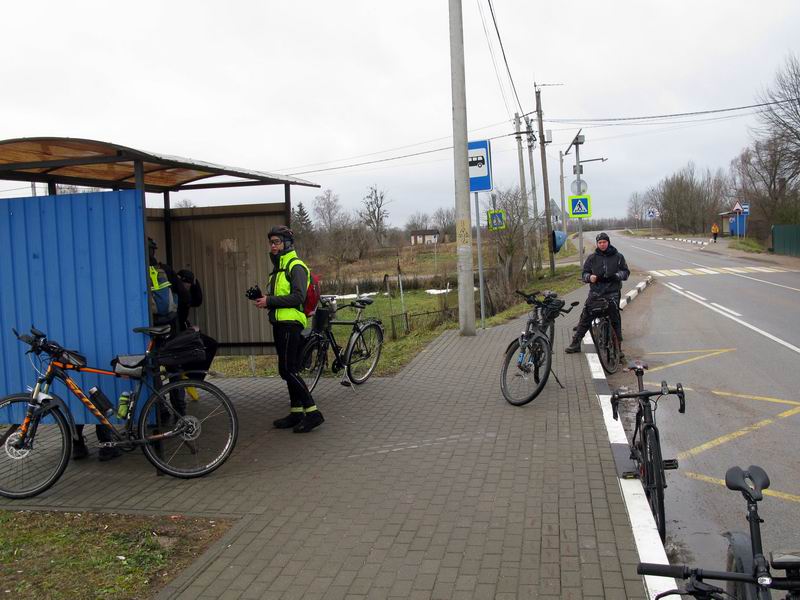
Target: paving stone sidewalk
{"x": 423, "y": 485}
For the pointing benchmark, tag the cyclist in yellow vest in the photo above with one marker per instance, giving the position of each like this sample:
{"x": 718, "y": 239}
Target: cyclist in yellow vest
{"x": 286, "y": 293}
{"x": 715, "y": 231}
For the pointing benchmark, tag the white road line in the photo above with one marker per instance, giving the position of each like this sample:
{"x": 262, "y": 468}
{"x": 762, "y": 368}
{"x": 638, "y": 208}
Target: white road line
{"x": 733, "y": 312}
{"x": 679, "y": 272}
{"x": 766, "y": 334}
{"x": 698, "y": 296}
{"x": 708, "y": 271}
{"x": 675, "y": 285}
{"x": 657, "y": 273}
{"x": 595, "y": 366}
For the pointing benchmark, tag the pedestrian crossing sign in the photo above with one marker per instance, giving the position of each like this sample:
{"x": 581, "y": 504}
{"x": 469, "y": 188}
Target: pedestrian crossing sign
{"x": 496, "y": 220}
{"x": 580, "y": 207}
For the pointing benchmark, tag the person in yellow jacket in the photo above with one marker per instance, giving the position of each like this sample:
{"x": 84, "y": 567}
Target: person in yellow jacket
{"x": 286, "y": 293}
{"x": 715, "y": 231}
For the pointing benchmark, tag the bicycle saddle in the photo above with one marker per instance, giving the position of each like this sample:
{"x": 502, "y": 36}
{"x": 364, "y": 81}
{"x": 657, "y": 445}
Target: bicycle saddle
{"x": 749, "y": 482}
{"x": 364, "y": 301}
{"x": 637, "y": 364}
{"x": 154, "y": 331}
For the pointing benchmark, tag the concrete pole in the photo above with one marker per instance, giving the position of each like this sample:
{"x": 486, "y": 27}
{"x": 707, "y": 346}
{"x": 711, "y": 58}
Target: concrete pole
{"x": 466, "y": 294}
{"x": 480, "y": 260}
{"x": 563, "y": 200}
{"x": 524, "y": 191}
{"x": 580, "y": 221}
{"x": 537, "y": 250}
{"x": 546, "y": 185}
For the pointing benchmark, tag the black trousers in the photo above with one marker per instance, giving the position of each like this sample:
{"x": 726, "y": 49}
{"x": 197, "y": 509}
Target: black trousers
{"x": 288, "y": 344}
{"x": 585, "y": 321}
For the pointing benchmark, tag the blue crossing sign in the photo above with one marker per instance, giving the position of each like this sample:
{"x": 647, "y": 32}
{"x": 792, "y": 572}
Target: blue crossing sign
{"x": 580, "y": 207}
{"x": 496, "y": 220}
{"x": 479, "y": 155}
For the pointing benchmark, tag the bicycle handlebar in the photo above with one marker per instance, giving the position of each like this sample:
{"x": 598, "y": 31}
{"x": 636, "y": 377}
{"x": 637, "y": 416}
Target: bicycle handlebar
{"x": 39, "y": 342}
{"x": 531, "y": 299}
{"x": 685, "y": 572}
{"x": 664, "y": 391}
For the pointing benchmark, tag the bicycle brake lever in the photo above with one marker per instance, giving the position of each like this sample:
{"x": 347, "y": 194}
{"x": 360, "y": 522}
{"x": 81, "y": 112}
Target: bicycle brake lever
{"x": 681, "y": 398}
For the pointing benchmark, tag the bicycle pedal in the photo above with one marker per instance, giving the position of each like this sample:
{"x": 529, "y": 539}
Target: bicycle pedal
{"x": 670, "y": 464}
{"x": 630, "y": 475}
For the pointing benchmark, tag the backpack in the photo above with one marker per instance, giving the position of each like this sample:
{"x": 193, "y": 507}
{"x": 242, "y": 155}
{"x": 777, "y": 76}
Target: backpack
{"x": 163, "y": 300}
{"x": 312, "y": 293}
{"x": 193, "y": 285}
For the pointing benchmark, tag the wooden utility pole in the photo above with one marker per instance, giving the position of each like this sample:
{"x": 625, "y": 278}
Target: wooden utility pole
{"x": 524, "y": 191}
{"x": 549, "y": 231}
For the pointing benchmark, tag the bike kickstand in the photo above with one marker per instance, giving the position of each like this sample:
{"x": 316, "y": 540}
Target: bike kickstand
{"x": 557, "y": 379}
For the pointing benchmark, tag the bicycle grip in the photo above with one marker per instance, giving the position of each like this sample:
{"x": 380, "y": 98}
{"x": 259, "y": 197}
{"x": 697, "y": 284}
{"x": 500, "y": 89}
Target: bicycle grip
{"x": 679, "y": 572}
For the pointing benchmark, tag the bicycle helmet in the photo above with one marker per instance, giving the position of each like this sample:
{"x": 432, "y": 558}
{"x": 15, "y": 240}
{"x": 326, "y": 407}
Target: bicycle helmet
{"x": 283, "y": 232}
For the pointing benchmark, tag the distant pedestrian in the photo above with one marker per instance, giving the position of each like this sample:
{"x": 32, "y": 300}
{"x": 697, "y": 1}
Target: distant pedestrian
{"x": 715, "y": 231}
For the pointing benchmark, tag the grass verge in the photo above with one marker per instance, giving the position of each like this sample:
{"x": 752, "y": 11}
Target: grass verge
{"x": 65, "y": 556}
{"x": 747, "y": 245}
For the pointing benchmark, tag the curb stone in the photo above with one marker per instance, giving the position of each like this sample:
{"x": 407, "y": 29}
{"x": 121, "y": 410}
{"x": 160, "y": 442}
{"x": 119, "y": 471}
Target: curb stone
{"x": 674, "y": 239}
{"x": 645, "y": 532}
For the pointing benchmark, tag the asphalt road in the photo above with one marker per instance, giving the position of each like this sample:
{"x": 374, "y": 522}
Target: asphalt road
{"x": 729, "y": 330}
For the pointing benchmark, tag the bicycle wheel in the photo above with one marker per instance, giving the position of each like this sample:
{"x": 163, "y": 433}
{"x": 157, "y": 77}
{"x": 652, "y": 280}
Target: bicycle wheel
{"x": 188, "y": 439}
{"x": 363, "y": 353}
{"x": 606, "y": 345}
{"x": 525, "y": 371}
{"x": 654, "y": 480}
{"x": 551, "y": 333}
{"x": 740, "y": 560}
{"x": 37, "y": 465}
{"x": 312, "y": 362}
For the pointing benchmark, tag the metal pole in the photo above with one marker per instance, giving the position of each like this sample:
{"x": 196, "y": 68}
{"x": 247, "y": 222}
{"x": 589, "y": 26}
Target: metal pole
{"x": 168, "y": 227}
{"x": 466, "y": 284}
{"x": 524, "y": 192}
{"x": 580, "y": 221}
{"x": 546, "y": 185}
{"x": 537, "y": 250}
{"x": 480, "y": 259}
{"x": 563, "y": 201}
{"x": 33, "y": 188}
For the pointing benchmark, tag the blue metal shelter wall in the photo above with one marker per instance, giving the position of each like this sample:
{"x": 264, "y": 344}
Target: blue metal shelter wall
{"x": 74, "y": 267}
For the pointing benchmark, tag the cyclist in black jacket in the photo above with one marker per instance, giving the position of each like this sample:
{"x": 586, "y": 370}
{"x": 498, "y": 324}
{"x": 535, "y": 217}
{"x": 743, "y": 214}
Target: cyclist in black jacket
{"x": 604, "y": 271}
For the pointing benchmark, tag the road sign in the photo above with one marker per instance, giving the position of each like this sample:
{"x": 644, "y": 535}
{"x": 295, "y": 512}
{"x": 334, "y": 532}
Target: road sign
{"x": 555, "y": 209}
{"x": 496, "y": 220}
{"x": 745, "y": 208}
{"x": 479, "y": 155}
{"x": 574, "y": 187}
{"x": 575, "y": 169}
{"x": 737, "y": 208}
{"x": 651, "y": 214}
{"x": 580, "y": 207}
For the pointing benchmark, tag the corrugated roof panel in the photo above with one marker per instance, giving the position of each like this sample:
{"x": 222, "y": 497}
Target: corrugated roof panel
{"x": 76, "y": 265}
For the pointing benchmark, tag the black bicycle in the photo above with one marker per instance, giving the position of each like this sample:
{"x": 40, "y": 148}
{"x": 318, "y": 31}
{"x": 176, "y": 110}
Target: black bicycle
{"x": 185, "y": 427}
{"x": 528, "y": 359}
{"x": 748, "y": 575}
{"x": 603, "y": 334}
{"x": 646, "y": 442}
{"x": 358, "y": 358}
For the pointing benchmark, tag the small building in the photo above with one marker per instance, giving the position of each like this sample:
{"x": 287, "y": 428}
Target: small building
{"x": 424, "y": 236}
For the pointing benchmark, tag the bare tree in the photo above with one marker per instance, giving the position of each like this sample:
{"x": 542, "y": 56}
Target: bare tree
{"x": 184, "y": 203}
{"x": 419, "y": 220}
{"x": 327, "y": 210}
{"x": 636, "y": 209}
{"x": 782, "y": 116}
{"x": 374, "y": 213}
{"x": 445, "y": 220}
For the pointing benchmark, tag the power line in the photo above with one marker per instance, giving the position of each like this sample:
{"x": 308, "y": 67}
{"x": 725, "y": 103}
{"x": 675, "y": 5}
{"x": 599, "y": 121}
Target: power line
{"x": 505, "y": 60}
{"x": 494, "y": 60}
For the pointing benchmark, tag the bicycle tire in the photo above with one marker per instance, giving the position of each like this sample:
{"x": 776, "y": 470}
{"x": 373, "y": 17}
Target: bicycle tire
{"x": 45, "y": 462}
{"x": 532, "y": 365}
{"x": 185, "y": 454}
{"x": 654, "y": 482}
{"x": 312, "y": 363}
{"x": 612, "y": 349}
{"x": 740, "y": 560}
{"x": 365, "y": 346}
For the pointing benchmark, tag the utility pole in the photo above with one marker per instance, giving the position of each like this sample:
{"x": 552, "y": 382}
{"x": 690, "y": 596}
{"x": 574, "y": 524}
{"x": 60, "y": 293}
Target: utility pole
{"x": 545, "y": 184}
{"x": 563, "y": 205}
{"x": 537, "y": 250}
{"x": 578, "y": 142}
{"x": 524, "y": 192}
{"x": 466, "y": 284}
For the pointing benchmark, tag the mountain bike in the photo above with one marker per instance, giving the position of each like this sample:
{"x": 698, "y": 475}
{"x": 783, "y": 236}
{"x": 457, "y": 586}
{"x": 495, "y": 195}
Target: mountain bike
{"x": 646, "y": 442}
{"x": 748, "y": 575}
{"x": 528, "y": 359}
{"x": 603, "y": 334}
{"x": 180, "y": 438}
{"x": 358, "y": 358}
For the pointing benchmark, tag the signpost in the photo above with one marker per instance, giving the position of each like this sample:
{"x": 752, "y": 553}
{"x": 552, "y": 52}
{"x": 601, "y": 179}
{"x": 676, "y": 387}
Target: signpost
{"x": 479, "y": 158}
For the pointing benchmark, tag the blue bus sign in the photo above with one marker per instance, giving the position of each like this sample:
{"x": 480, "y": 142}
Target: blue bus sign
{"x": 479, "y": 155}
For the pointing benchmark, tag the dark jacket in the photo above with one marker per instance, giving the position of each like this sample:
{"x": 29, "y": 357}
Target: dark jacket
{"x": 298, "y": 278}
{"x": 611, "y": 270}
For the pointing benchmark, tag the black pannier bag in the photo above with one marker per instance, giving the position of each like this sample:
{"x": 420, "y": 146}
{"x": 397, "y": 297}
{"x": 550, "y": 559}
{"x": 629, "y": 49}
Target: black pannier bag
{"x": 185, "y": 348}
{"x": 321, "y": 318}
{"x": 597, "y": 307}
{"x": 552, "y": 307}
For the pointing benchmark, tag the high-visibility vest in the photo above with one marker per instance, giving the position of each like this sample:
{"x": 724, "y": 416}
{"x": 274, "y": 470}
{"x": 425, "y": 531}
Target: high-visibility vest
{"x": 283, "y": 287}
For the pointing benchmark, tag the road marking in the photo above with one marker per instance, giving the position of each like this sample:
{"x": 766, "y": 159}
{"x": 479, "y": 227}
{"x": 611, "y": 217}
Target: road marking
{"x": 733, "y": 269}
{"x": 595, "y": 366}
{"x": 733, "y": 312}
{"x": 687, "y": 352}
{"x": 729, "y": 437}
{"x": 766, "y": 334}
{"x": 675, "y": 285}
{"x": 656, "y": 273}
{"x": 696, "y": 272}
{"x": 698, "y": 296}
{"x": 714, "y": 480}
{"x": 708, "y": 271}
{"x": 679, "y": 272}
{"x": 694, "y": 358}
{"x": 758, "y": 398}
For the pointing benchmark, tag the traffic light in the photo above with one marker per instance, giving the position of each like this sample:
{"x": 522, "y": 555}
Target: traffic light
{"x": 559, "y": 237}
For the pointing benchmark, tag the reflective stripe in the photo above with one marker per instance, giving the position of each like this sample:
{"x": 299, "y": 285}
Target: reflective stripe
{"x": 155, "y": 285}
{"x": 296, "y": 409}
{"x": 311, "y": 408}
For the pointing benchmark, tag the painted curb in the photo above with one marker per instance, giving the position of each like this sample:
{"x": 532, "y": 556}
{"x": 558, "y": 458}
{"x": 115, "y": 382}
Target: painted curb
{"x": 645, "y": 533}
{"x": 674, "y": 239}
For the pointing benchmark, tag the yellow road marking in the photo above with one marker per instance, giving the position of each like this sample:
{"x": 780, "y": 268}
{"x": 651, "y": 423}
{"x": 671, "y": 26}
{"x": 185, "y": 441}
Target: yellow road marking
{"x": 728, "y": 437}
{"x": 688, "y": 360}
{"x": 714, "y": 480}
{"x": 691, "y": 351}
{"x": 759, "y": 398}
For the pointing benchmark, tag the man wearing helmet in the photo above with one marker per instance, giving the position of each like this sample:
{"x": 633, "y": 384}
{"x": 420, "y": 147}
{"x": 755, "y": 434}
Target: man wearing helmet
{"x": 286, "y": 293}
{"x": 604, "y": 271}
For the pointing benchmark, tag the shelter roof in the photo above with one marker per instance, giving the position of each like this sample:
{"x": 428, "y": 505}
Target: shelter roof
{"x": 94, "y": 163}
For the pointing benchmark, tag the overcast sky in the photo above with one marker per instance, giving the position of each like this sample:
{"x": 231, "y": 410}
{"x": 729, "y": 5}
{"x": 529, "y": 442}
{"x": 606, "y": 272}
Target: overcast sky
{"x": 290, "y": 87}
